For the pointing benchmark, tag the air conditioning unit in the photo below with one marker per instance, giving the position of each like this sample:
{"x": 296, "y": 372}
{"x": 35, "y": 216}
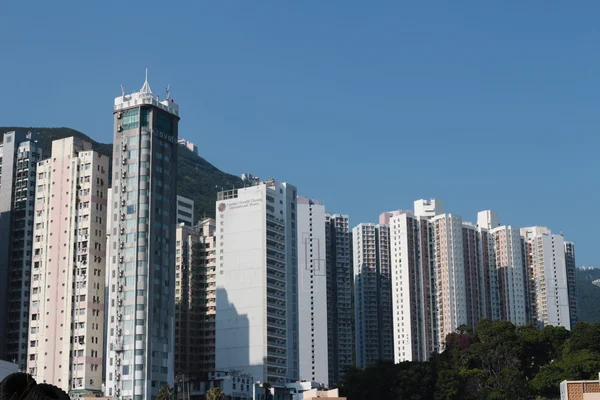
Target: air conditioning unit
{"x": 124, "y": 146}
{"x": 120, "y": 128}
{"x": 124, "y": 188}
{"x": 120, "y": 114}
{"x": 124, "y": 174}
{"x": 120, "y": 288}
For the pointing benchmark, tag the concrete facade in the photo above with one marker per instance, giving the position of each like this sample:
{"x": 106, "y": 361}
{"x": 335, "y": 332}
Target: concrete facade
{"x": 257, "y": 278}
{"x": 69, "y": 257}
{"x": 185, "y": 211}
{"x": 511, "y": 274}
{"x": 571, "y": 277}
{"x": 312, "y": 291}
{"x": 340, "y": 312}
{"x": 548, "y": 277}
{"x": 19, "y": 155}
{"x": 372, "y": 294}
{"x": 195, "y": 299}
{"x": 188, "y": 145}
{"x": 412, "y": 292}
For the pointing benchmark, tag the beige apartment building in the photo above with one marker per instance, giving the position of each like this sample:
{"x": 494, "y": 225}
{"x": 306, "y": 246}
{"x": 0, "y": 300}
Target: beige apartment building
{"x": 195, "y": 299}
{"x": 67, "y": 281}
{"x": 548, "y": 277}
{"x": 580, "y": 390}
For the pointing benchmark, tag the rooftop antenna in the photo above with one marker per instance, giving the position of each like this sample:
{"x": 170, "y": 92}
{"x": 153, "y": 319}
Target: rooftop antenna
{"x": 169, "y": 91}
{"x": 122, "y": 90}
{"x": 146, "y": 87}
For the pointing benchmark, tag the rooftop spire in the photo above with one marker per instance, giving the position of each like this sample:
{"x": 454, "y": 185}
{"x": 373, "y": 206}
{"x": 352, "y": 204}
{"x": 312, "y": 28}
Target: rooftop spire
{"x": 146, "y": 87}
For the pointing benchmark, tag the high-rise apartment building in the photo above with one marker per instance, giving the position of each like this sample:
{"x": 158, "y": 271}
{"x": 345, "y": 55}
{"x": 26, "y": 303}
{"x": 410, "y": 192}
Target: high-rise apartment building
{"x": 372, "y": 293}
{"x": 339, "y": 271}
{"x": 571, "y": 277}
{"x": 413, "y": 288}
{"x": 67, "y": 285}
{"x": 195, "y": 299}
{"x": 505, "y": 285}
{"x": 312, "y": 291}
{"x": 437, "y": 278}
{"x": 447, "y": 273}
{"x": 19, "y": 155}
{"x": 185, "y": 211}
{"x": 510, "y": 274}
{"x": 141, "y": 309}
{"x": 451, "y": 278}
{"x": 548, "y": 277}
{"x": 257, "y": 278}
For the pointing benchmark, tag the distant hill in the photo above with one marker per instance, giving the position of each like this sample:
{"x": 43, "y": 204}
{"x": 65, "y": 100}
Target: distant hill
{"x": 588, "y": 295}
{"x": 197, "y": 178}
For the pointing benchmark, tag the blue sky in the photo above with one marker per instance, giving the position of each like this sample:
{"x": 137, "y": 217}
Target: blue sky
{"x": 364, "y": 105}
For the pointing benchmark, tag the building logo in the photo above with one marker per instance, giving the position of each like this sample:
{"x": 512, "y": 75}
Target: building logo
{"x": 222, "y": 207}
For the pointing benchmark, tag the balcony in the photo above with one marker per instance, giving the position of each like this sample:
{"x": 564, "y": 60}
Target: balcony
{"x": 276, "y": 333}
{"x": 275, "y": 313}
{"x": 275, "y": 268}
{"x": 276, "y": 343}
{"x": 275, "y": 304}
{"x": 275, "y": 294}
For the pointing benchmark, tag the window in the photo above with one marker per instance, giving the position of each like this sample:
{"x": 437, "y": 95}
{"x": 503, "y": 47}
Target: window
{"x": 131, "y": 118}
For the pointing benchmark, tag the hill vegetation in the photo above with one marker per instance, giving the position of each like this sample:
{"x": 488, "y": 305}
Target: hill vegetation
{"x": 499, "y": 361}
{"x": 197, "y": 178}
{"x": 588, "y": 295}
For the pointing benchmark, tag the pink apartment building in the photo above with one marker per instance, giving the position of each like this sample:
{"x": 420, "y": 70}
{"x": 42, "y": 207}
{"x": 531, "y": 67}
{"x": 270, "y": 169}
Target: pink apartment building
{"x": 67, "y": 281}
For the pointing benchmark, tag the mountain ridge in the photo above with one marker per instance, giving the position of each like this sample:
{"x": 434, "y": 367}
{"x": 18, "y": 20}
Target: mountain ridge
{"x": 197, "y": 179}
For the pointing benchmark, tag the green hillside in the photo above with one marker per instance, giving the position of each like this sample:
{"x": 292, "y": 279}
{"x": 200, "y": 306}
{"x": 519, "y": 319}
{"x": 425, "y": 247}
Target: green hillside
{"x": 588, "y": 295}
{"x": 197, "y": 178}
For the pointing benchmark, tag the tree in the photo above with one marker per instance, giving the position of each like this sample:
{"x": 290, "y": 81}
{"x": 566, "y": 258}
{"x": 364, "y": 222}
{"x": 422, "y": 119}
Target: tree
{"x": 215, "y": 394}
{"x": 497, "y": 360}
{"x": 579, "y": 365}
{"x": 414, "y": 380}
{"x": 165, "y": 393}
{"x": 492, "y": 364}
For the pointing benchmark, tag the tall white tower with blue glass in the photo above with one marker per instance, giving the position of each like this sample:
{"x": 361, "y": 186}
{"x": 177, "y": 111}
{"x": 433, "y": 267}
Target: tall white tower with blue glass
{"x": 141, "y": 274}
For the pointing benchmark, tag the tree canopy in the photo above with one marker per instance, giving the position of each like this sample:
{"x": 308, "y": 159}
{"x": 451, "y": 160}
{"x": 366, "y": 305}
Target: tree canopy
{"x": 497, "y": 361}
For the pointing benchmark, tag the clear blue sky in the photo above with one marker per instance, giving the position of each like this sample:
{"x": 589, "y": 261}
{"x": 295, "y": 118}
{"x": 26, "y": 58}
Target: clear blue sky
{"x": 364, "y": 105}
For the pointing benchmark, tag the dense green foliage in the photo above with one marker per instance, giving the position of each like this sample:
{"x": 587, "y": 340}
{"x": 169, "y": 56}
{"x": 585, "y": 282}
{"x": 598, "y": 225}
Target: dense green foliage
{"x": 197, "y": 178}
{"x": 498, "y": 361}
{"x": 165, "y": 393}
{"x": 588, "y": 295}
{"x": 215, "y": 394}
